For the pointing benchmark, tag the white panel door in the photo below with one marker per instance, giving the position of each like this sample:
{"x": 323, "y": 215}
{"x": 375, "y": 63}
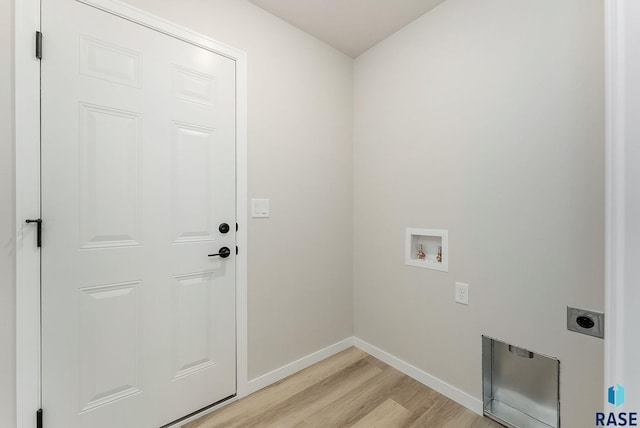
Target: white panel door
{"x": 138, "y": 172}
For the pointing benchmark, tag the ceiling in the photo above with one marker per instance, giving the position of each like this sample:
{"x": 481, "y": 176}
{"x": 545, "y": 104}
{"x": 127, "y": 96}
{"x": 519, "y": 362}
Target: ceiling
{"x": 352, "y": 26}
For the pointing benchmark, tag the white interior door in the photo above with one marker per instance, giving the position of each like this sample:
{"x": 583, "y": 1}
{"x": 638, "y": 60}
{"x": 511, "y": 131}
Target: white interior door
{"x": 138, "y": 172}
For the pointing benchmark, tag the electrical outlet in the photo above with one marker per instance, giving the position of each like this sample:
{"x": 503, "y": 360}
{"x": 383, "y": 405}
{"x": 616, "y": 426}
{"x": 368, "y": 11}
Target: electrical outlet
{"x": 462, "y": 293}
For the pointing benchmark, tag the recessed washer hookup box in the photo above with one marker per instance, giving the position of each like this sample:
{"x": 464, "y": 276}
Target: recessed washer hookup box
{"x": 520, "y": 388}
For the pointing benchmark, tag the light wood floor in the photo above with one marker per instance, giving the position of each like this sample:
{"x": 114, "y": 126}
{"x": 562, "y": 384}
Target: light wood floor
{"x": 350, "y": 389}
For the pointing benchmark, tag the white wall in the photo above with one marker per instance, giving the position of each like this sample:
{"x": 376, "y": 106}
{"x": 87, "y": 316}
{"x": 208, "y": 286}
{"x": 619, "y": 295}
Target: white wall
{"x": 300, "y": 156}
{"x": 7, "y": 275}
{"x": 486, "y": 119}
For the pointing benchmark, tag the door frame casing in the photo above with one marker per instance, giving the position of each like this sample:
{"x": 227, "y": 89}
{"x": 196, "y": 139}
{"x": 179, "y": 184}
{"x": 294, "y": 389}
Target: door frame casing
{"x": 622, "y": 206}
{"x": 27, "y": 158}
{"x": 614, "y": 192}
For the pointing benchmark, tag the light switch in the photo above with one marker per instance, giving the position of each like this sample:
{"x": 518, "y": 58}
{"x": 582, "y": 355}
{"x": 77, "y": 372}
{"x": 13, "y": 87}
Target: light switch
{"x": 259, "y": 208}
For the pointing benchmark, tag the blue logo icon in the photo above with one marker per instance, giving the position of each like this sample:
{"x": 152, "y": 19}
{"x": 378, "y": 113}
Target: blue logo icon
{"x": 616, "y": 395}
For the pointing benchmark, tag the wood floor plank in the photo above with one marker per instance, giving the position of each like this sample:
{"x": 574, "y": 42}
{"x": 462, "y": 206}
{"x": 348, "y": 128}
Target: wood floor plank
{"x": 416, "y": 398}
{"x": 468, "y": 419}
{"x": 266, "y": 398}
{"x": 440, "y": 411}
{"x": 388, "y": 414}
{"x": 364, "y": 399}
{"x": 351, "y": 389}
{"x": 335, "y": 388}
{"x": 375, "y": 361}
{"x": 445, "y": 413}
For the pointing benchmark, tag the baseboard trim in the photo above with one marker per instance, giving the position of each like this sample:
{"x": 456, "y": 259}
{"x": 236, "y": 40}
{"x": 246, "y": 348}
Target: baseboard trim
{"x": 294, "y": 367}
{"x": 421, "y": 376}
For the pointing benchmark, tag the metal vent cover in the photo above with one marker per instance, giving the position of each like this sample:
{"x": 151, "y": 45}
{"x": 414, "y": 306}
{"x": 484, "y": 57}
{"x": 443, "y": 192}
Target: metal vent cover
{"x": 521, "y": 388}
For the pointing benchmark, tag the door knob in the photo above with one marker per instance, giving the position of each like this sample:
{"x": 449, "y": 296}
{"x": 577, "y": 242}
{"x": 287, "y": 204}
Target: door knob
{"x": 223, "y": 252}
{"x": 223, "y": 228}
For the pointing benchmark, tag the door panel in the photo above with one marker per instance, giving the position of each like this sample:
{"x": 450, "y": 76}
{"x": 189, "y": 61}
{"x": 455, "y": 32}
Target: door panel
{"x": 193, "y": 182}
{"x": 110, "y": 180}
{"x": 194, "y": 326}
{"x": 111, "y": 333}
{"x": 138, "y": 171}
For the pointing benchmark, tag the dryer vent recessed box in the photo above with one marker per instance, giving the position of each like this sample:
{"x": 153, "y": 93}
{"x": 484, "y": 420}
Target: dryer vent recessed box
{"x": 520, "y": 388}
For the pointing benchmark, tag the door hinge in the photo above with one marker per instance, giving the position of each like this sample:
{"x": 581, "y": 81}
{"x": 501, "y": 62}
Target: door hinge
{"x": 236, "y": 250}
{"x": 38, "y": 45}
{"x": 39, "y": 418}
{"x": 38, "y": 222}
